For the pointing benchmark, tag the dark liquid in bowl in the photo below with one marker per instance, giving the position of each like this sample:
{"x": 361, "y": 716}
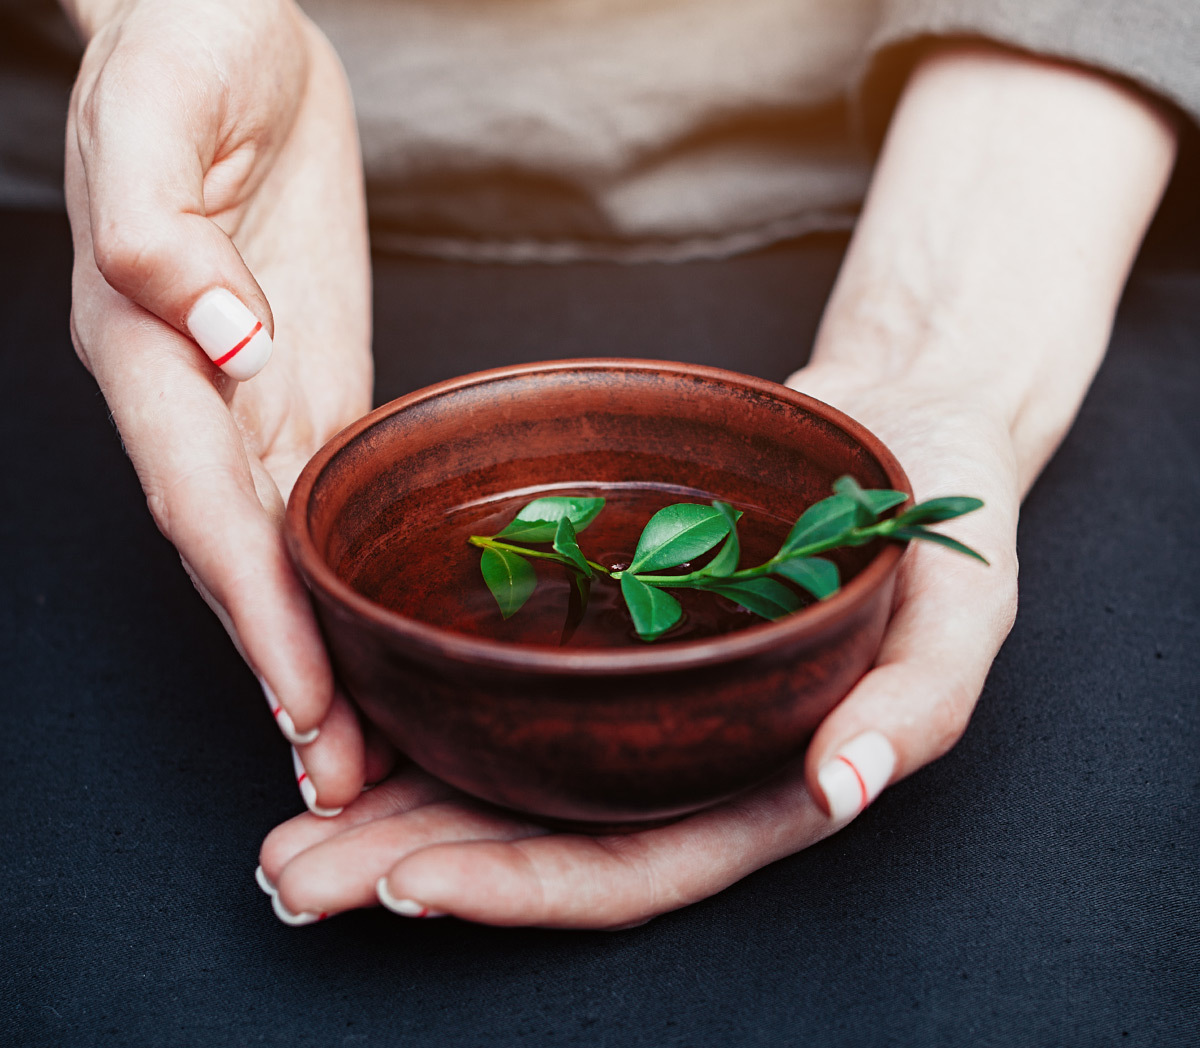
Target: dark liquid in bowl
{"x": 430, "y": 572}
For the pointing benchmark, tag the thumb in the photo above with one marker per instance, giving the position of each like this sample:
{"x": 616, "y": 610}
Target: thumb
{"x": 949, "y": 623}
{"x": 146, "y": 144}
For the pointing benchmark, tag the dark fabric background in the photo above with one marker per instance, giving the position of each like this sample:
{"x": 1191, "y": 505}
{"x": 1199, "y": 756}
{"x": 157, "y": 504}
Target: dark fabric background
{"x": 1038, "y": 886}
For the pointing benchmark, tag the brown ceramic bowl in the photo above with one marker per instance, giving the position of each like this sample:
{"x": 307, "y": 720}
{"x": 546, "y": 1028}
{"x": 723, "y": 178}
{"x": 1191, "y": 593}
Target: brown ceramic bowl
{"x": 609, "y": 736}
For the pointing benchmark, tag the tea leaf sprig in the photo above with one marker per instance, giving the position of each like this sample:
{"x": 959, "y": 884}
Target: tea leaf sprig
{"x": 679, "y": 534}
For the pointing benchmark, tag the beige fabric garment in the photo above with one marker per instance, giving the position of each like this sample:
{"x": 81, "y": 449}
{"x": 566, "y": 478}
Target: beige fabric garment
{"x": 560, "y": 129}
{"x": 551, "y": 130}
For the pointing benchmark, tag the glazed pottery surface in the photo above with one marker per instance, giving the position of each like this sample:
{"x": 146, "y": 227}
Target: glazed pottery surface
{"x": 610, "y": 736}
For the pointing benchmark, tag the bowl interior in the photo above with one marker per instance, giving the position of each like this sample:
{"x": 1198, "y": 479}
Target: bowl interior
{"x": 695, "y": 432}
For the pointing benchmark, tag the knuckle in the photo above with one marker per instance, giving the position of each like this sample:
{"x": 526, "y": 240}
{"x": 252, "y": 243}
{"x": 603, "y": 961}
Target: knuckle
{"x": 159, "y": 512}
{"x": 1007, "y": 595}
{"x": 947, "y": 721}
{"x": 647, "y": 893}
{"x": 88, "y": 105}
{"x": 108, "y": 78}
{"x": 1006, "y": 614}
{"x": 98, "y": 103}
{"x": 127, "y": 255}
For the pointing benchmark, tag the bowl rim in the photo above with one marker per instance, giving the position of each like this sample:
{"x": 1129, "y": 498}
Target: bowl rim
{"x": 420, "y": 638}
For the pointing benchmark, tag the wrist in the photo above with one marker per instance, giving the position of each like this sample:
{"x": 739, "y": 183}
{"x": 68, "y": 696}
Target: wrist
{"x": 1006, "y": 209}
{"x": 994, "y": 342}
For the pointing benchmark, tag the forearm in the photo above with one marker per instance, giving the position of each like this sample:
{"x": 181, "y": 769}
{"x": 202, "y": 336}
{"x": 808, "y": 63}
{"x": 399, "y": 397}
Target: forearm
{"x": 1008, "y": 204}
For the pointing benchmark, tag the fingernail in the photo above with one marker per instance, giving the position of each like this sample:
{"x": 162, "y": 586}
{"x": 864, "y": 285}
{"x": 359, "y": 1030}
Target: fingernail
{"x": 857, "y": 774}
{"x": 264, "y": 882}
{"x": 308, "y": 791}
{"x": 294, "y": 919}
{"x": 404, "y": 907}
{"x": 284, "y": 720}
{"x": 233, "y": 337}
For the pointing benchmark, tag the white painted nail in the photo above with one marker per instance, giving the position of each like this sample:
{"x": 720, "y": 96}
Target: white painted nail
{"x": 857, "y": 774}
{"x": 284, "y": 720}
{"x": 308, "y": 791}
{"x": 264, "y": 882}
{"x": 404, "y": 907}
{"x": 296, "y": 920}
{"x": 233, "y": 337}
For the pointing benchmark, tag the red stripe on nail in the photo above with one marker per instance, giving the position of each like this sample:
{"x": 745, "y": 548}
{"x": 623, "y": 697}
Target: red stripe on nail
{"x": 239, "y": 347}
{"x": 304, "y": 775}
{"x": 866, "y": 797}
{"x": 277, "y": 710}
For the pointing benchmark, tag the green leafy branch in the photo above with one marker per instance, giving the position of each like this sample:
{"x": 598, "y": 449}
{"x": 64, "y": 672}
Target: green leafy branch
{"x": 680, "y": 533}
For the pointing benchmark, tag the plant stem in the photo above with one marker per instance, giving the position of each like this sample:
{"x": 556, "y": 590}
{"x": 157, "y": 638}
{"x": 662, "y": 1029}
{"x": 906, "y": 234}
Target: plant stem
{"x": 879, "y": 530}
{"x": 487, "y": 542}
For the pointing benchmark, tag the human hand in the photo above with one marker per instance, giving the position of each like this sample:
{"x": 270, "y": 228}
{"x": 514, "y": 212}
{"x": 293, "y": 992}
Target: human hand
{"x": 212, "y": 158}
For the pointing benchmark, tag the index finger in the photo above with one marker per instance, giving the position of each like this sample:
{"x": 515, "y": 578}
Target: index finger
{"x": 193, "y": 464}
{"x": 146, "y": 133}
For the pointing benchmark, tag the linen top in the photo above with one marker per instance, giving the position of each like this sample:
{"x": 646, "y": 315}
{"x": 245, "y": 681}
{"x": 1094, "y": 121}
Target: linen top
{"x": 668, "y": 129}
{"x": 549, "y": 130}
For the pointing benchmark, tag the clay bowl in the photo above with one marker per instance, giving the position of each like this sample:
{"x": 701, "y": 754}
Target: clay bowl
{"x": 588, "y": 737}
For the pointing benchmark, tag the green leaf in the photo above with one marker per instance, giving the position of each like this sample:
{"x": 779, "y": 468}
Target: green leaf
{"x": 815, "y": 574}
{"x": 577, "y": 602}
{"x": 925, "y": 535}
{"x": 883, "y": 499}
{"x": 537, "y": 521}
{"x": 653, "y": 611}
{"x": 864, "y": 514}
{"x": 822, "y": 521}
{"x": 565, "y": 543}
{"x": 582, "y": 589}
{"x": 529, "y": 531}
{"x": 763, "y": 596}
{"x": 676, "y": 534}
{"x": 871, "y": 502}
{"x": 847, "y": 485}
{"x": 935, "y": 510}
{"x": 726, "y": 561}
{"x": 510, "y": 578}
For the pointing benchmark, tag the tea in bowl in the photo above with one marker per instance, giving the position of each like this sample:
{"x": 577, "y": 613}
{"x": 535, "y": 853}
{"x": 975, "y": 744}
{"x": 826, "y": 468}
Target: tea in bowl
{"x": 562, "y": 712}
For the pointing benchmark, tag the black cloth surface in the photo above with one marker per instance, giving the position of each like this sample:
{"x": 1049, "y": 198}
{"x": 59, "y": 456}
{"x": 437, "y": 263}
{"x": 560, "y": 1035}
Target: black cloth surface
{"x": 1037, "y": 886}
